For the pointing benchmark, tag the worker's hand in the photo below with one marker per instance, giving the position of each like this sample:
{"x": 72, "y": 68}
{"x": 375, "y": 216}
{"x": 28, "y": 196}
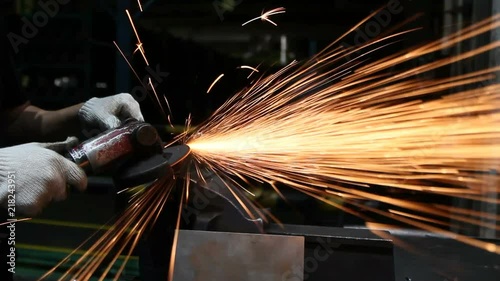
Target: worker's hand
{"x": 108, "y": 113}
{"x": 34, "y": 174}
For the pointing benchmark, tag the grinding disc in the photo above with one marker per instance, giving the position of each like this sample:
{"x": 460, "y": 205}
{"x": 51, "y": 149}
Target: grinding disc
{"x": 151, "y": 168}
{"x": 176, "y": 154}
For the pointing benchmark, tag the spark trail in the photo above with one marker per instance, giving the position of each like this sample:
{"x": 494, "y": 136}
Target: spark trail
{"x": 265, "y": 16}
{"x": 335, "y": 126}
{"x": 14, "y": 221}
{"x": 115, "y": 245}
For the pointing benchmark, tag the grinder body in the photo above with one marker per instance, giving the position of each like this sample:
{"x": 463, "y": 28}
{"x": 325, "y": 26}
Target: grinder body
{"x": 133, "y": 153}
{"x": 113, "y": 148}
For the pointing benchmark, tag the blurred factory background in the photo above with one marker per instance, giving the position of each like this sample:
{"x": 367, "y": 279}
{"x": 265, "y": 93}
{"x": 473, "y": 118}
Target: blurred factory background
{"x": 67, "y": 56}
{"x": 71, "y": 56}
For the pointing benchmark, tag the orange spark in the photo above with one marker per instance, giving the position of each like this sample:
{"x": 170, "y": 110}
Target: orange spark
{"x": 140, "y": 6}
{"x": 215, "y": 81}
{"x": 173, "y": 253}
{"x": 169, "y": 121}
{"x": 150, "y": 83}
{"x": 129, "y": 64}
{"x": 124, "y": 234}
{"x": 421, "y": 218}
{"x": 339, "y": 119}
{"x": 140, "y": 81}
{"x": 139, "y": 43}
{"x": 337, "y": 127}
{"x": 14, "y": 221}
{"x": 487, "y": 246}
{"x": 249, "y": 67}
{"x": 265, "y": 16}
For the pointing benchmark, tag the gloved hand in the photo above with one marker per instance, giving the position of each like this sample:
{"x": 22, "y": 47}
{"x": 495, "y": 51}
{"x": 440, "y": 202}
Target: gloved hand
{"x": 36, "y": 174}
{"x": 107, "y": 113}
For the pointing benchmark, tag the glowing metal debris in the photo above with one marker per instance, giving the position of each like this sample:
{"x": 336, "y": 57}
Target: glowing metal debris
{"x": 336, "y": 127}
{"x": 139, "y": 44}
{"x": 340, "y": 120}
{"x": 121, "y": 238}
{"x": 140, "y": 48}
{"x": 215, "y": 81}
{"x": 265, "y": 16}
{"x": 249, "y": 67}
{"x": 15, "y": 221}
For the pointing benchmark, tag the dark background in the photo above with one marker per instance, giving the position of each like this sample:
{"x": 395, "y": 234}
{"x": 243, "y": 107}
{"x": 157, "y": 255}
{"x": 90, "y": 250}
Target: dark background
{"x": 194, "y": 41}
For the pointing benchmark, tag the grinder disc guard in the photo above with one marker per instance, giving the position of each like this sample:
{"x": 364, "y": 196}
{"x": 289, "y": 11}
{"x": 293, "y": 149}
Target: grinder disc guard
{"x": 142, "y": 171}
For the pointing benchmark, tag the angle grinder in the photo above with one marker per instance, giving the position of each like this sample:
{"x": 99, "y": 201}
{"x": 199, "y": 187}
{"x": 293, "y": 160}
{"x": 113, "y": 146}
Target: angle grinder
{"x": 132, "y": 153}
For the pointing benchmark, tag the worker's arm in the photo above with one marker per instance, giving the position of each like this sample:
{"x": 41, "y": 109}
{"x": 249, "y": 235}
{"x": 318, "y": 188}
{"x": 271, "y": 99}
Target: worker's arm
{"x": 30, "y": 123}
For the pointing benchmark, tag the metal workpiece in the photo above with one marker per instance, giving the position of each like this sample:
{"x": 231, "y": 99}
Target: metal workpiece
{"x": 334, "y": 253}
{"x": 206, "y": 255}
{"x": 338, "y": 235}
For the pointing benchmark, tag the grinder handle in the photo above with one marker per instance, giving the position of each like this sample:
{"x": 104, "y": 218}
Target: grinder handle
{"x": 110, "y": 149}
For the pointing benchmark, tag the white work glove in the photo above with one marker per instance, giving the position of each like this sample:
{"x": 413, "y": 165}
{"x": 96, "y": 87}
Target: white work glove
{"x": 36, "y": 174}
{"x": 108, "y": 113}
